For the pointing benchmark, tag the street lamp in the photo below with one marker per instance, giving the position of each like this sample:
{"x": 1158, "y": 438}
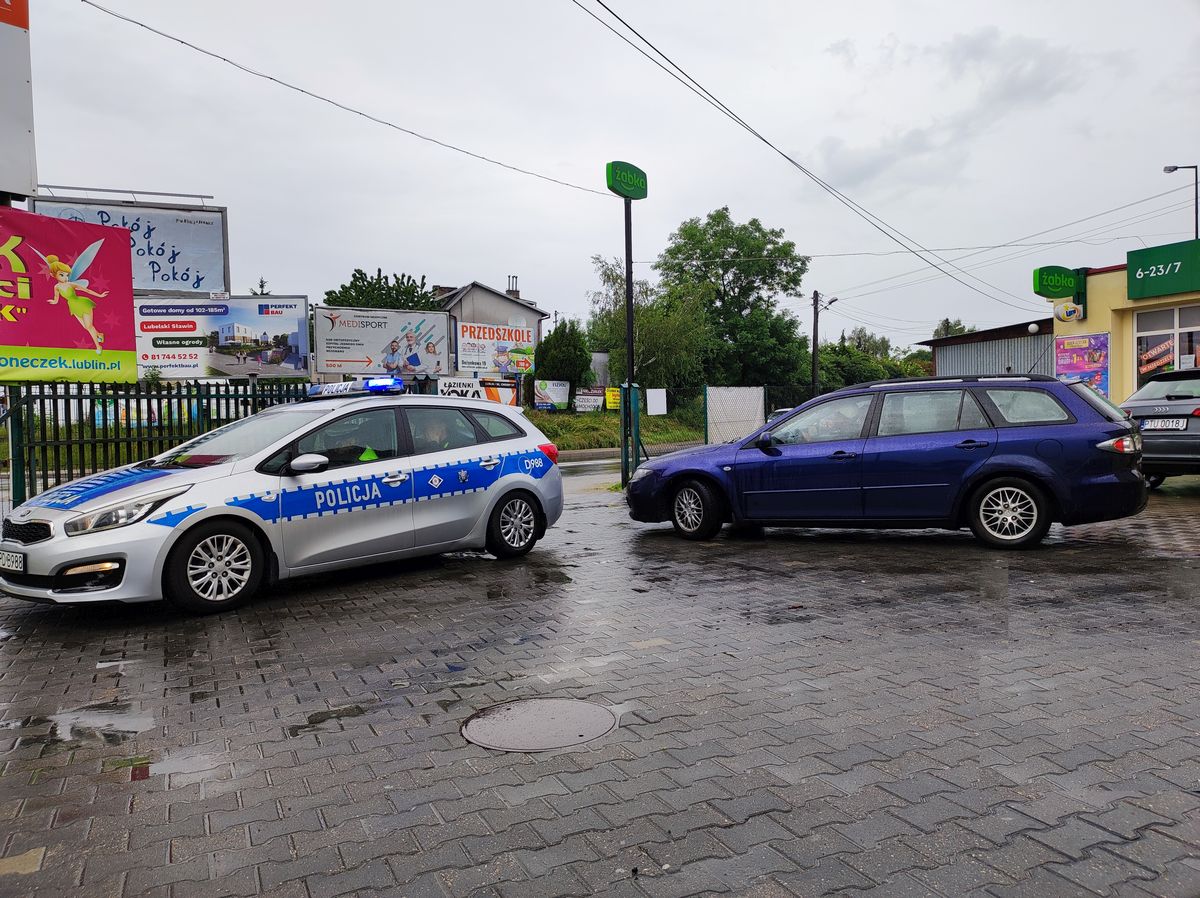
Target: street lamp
{"x": 1168, "y": 169}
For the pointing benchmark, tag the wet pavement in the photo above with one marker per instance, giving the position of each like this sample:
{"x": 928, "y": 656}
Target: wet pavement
{"x": 809, "y": 713}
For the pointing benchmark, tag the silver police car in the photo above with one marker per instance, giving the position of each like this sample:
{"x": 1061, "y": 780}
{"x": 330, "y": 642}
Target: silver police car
{"x": 339, "y": 480}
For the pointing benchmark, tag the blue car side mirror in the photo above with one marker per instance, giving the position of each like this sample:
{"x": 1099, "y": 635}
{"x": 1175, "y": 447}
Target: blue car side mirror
{"x": 765, "y": 440}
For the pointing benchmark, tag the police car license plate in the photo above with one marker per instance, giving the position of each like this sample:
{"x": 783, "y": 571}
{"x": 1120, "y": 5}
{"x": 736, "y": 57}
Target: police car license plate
{"x": 1164, "y": 424}
{"x": 12, "y": 561}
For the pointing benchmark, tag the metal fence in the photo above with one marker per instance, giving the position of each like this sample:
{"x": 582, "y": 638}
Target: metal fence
{"x": 59, "y": 431}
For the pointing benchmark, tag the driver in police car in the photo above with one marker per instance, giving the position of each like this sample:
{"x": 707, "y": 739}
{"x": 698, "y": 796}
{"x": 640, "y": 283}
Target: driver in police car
{"x": 342, "y": 446}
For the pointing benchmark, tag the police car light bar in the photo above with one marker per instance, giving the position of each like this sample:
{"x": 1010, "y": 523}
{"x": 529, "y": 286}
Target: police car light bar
{"x": 371, "y": 385}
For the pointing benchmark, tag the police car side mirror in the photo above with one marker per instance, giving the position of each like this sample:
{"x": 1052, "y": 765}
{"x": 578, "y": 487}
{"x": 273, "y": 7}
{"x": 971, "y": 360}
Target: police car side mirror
{"x": 765, "y": 440}
{"x": 310, "y": 463}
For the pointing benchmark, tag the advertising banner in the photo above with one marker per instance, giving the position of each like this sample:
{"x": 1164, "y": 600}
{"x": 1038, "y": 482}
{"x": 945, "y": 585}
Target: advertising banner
{"x": 381, "y": 341}
{"x": 589, "y": 400}
{"x": 18, "y": 165}
{"x": 502, "y": 391}
{"x": 183, "y": 337}
{"x": 66, "y": 301}
{"x": 612, "y": 397}
{"x": 551, "y": 394}
{"x": 176, "y": 249}
{"x": 495, "y": 348}
{"x": 1082, "y": 360}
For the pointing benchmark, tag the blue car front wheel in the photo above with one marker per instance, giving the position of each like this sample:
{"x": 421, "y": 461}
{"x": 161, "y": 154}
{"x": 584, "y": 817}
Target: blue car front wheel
{"x": 695, "y": 510}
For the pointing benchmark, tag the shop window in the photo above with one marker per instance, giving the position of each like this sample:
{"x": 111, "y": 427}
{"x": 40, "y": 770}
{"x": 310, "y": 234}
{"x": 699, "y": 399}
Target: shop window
{"x": 1188, "y": 350}
{"x": 1155, "y": 354}
{"x": 1158, "y": 320}
{"x": 1189, "y": 316}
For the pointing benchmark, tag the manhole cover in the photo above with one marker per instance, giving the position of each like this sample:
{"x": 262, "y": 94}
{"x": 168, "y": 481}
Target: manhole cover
{"x": 538, "y": 724}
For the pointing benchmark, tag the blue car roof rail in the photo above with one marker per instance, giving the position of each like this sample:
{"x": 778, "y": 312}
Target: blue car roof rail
{"x": 953, "y": 379}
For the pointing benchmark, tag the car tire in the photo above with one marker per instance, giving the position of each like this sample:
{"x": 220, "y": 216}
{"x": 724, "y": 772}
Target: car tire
{"x": 1154, "y": 481}
{"x": 1009, "y": 513}
{"x": 214, "y": 567}
{"x": 513, "y": 528}
{"x": 696, "y": 510}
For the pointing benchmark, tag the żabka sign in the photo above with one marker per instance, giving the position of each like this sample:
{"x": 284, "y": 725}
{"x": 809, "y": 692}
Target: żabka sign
{"x": 66, "y": 300}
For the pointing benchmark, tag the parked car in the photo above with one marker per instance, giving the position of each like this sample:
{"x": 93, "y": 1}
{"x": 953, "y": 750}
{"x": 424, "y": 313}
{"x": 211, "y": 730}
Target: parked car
{"x": 342, "y": 479}
{"x": 1167, "y": 409}
{"x": 1003, "y": 455}
{"x": 777, "y": 413}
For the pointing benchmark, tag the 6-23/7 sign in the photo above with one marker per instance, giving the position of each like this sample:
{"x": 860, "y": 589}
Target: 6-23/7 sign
{"x": 1164, "y": 270}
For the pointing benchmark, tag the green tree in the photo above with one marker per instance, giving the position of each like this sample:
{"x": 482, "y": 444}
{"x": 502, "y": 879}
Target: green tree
{"x": 872, "y": 344}
{"x": 742, "y": 269}
{"x": 563, "y": 354}
{"x": 670, "y": 329}
{"x": 262, "y": 288}
{"x": 397, "y": 291}
{"x": 843, "y": 365}
{"x": 948, "y": 328}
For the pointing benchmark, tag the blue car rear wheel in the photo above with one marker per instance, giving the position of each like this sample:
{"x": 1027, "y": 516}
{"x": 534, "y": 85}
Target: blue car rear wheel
{"x": 1009, "y": 513}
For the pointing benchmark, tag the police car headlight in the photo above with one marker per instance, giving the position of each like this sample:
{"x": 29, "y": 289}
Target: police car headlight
{"x": 120, "y": 515}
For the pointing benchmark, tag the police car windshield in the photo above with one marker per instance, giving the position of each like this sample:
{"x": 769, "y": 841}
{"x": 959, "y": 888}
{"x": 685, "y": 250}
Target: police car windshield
{"x": 238, "y": 440}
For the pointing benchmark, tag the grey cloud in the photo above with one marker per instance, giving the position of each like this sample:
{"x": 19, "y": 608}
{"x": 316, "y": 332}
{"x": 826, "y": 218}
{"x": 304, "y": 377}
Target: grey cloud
{"x": 844, "y": 50}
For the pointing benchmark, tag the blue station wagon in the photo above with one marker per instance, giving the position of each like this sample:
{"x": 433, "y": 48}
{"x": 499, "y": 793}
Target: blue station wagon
{"x": 1005, "y": 456}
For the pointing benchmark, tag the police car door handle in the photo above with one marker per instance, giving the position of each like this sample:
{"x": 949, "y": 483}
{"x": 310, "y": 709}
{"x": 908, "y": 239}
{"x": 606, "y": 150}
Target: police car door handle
{"x": 489, "y": 463}
{"x": 392, "y": 479}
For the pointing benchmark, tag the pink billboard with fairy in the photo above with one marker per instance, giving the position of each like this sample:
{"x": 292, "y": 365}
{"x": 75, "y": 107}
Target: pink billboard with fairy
{"x": 66, "y": 300}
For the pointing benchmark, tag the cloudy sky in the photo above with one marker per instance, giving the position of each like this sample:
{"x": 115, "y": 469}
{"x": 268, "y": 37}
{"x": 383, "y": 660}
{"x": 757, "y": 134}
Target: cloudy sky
{"x": 960, "y": 124}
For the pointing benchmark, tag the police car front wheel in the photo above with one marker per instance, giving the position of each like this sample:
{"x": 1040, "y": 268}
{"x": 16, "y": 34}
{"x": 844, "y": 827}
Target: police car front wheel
{"x": 514, "y": 525}
{"x": 214, "y": 567}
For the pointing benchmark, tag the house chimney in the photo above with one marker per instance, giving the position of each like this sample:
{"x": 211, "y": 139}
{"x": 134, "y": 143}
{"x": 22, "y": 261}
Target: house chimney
{"x": 512, "y": 287}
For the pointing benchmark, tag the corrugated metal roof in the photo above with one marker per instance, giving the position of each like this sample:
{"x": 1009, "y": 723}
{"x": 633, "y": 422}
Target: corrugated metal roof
{"x": 1032, "y": 354}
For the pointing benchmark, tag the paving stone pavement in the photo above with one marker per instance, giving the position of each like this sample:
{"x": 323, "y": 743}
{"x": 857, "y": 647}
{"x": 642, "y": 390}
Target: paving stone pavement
{"x": 811, "y": 713}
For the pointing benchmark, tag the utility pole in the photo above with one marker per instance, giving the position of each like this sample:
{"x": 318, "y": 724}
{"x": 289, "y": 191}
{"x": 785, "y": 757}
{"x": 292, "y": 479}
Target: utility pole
{"x": 816, "y": 341}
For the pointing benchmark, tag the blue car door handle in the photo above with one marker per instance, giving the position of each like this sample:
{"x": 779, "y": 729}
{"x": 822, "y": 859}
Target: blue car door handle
{"x": 843, "y": 455}
{"x": 971, "y": 444}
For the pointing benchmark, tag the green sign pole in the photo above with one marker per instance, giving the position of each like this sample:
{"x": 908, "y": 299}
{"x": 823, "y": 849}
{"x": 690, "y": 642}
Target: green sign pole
{"x": 629, "y": 182}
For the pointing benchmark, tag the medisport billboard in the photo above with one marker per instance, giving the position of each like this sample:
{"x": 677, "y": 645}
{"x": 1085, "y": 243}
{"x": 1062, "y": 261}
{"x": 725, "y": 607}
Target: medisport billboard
{"x": 381, "y": 341}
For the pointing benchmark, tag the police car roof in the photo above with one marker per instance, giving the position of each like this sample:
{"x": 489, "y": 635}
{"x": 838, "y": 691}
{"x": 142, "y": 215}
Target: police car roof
{"x": 344, "y": 399}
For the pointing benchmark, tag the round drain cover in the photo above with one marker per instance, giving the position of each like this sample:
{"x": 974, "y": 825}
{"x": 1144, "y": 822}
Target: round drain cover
{"x": 538, "y": 724}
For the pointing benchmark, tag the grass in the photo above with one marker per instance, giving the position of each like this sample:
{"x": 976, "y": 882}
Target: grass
{"x": 602, "y": 430}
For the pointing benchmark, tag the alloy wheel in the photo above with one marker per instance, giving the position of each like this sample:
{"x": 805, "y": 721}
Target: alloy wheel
{"x": 689, "y": 509}
{"x": 517, "y": 523}
{"x": 1008, "y": 513}
{"x": 219, "y": 567}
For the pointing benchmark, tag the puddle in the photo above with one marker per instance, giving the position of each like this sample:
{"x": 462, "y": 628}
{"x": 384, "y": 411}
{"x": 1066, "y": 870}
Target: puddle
{"x": 316, "y": 719}
{"x": 106, "y": 723}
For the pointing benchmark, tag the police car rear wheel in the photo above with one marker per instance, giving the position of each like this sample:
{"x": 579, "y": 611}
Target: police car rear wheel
{"x": 214, "y": 567}
{"x": 513, "y": 528}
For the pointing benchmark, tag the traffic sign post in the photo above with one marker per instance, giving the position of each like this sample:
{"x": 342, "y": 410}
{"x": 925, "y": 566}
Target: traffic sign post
{"x": 628, "y": 182}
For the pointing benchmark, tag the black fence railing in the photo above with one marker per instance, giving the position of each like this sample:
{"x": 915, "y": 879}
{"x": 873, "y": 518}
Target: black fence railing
{"x": 60, "y": 431}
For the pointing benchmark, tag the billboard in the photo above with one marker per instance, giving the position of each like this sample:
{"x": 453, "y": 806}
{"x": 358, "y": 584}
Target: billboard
{"x": 184, "y": 337}
{"x": 66, "y": 301}
{"x": 495, "y": 348}
{"x": 589, "y": 400}
{"x": 18, "y": 167}
{"x": 551, "y": 394}
{"x": 502, "y": 391}
{"x": 1082, "y": 360}
{"x": 174, "y": 249}
{"x": 381, "y": 341}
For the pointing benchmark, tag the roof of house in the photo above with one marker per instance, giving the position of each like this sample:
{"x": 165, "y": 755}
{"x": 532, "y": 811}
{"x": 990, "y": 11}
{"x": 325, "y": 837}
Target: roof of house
{"x": 454, "y": 296}
{"x": 1007, "y": 332}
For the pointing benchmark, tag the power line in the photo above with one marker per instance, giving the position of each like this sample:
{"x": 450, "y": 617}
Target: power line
{"x": 1035, "y": 234}
{"x": 889, "y": 231}
{"x": 902, "y": 252}
{"x": 344, "y": 107}
{"x": 1140, "y": 219}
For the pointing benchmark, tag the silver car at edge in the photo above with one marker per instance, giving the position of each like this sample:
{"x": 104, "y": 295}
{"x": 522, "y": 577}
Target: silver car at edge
{"x": 332, "y": 482}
